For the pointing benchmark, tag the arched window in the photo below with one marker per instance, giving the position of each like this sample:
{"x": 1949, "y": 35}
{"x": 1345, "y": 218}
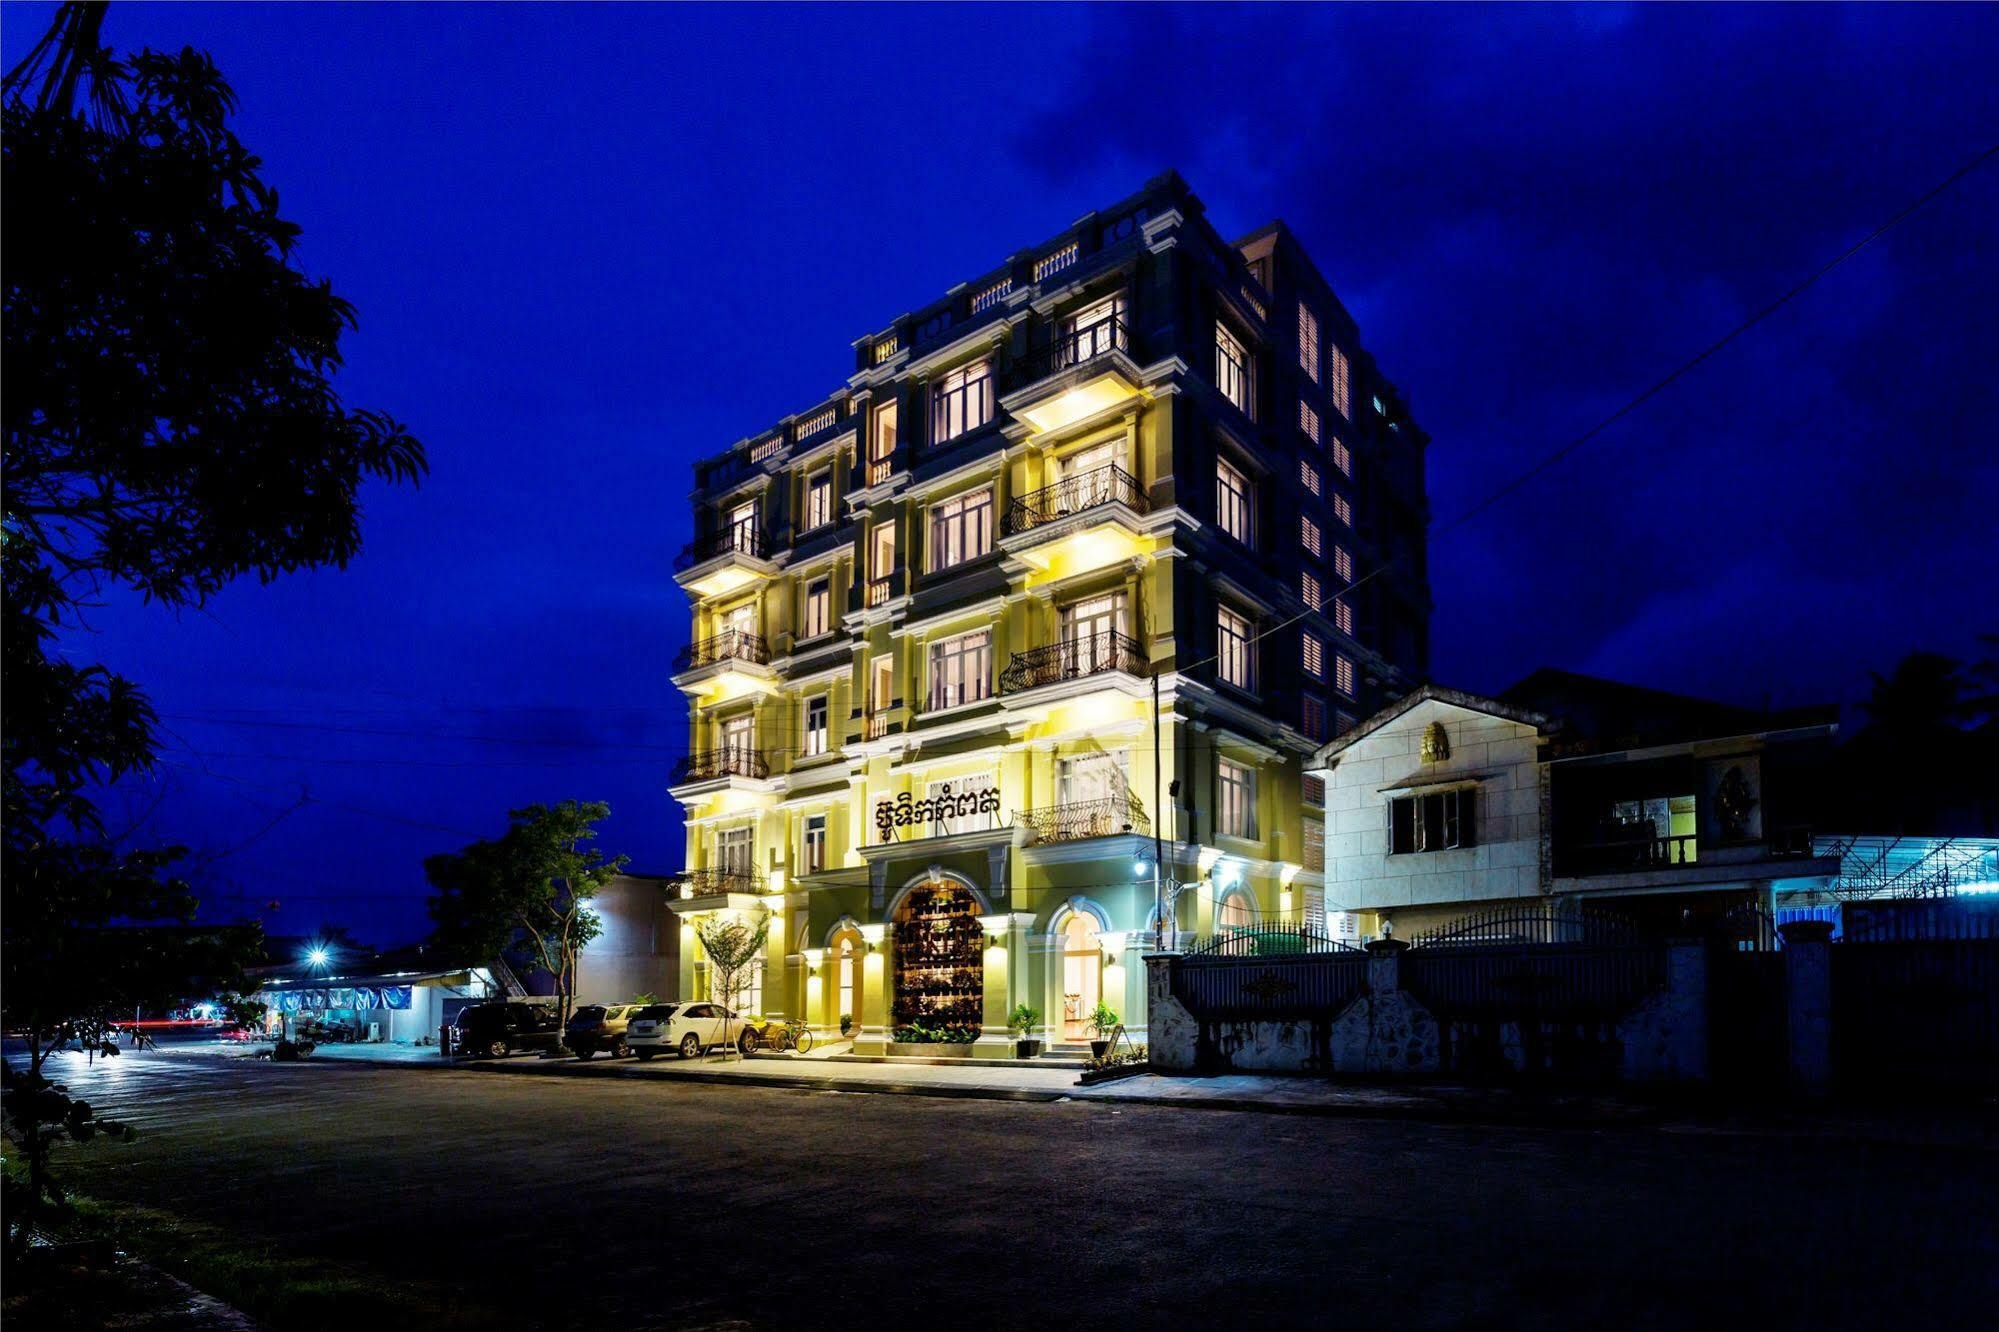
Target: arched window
{"x": 844, "y": 967}
{"x": 1235, "y": 912}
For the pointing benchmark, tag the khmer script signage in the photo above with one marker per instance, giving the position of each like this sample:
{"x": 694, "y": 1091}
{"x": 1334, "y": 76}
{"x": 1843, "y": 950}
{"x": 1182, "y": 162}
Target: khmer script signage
{"x": 942, "y": 805}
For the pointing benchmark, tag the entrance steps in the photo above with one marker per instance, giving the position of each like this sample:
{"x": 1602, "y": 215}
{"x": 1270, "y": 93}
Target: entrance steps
{"x": 1044, "y": 1061}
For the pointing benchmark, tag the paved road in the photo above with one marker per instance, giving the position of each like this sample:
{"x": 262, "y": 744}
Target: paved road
{"x": 718, "y": 1206}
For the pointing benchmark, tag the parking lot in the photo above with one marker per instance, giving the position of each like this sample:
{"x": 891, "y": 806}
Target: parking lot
{"x": 627, "y": 1202}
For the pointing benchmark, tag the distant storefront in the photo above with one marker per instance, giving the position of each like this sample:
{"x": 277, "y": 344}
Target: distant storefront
{"x": 402, "y": 1007}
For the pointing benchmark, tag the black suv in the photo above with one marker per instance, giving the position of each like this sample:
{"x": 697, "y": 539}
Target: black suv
{"x": 487, "y": 1031}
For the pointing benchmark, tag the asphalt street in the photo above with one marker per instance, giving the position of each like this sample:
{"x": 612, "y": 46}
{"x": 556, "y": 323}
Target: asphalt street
{"x": 647, "y": 1203}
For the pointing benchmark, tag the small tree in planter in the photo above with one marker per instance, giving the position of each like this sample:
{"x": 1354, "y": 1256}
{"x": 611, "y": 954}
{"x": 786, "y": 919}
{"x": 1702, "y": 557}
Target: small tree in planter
{"x": 846, "y": 1024}
{"x": 1102, "y": 1022}
{"x": 1022, "y": 1023}
{"x": 733, "y": 945}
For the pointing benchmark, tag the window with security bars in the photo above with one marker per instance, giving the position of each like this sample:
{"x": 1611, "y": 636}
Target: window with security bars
{"x": 1237, "y": 813}
{"x": 1308, "y": 534}
{"x": 818, "y": 608}
{"x": 1232, "y": 501}
{"x": 1308, "y": 476}
{"x": 1314, "y": 657}
{"x": 1434, "y": 821}
{"x": 1343, "y": 673}
{"x": 1342, "y": 457}
{"x": 1310, "y": 589}
{"x": 1232, "y": 648}
{"x": 1343, "y": 616}
{"x": 1312, "y": 718}
{"x": 1308, "y": 342}
{"x": 961, "y": 529}
{"x": 961, "y": 669}
{"x": 1308, "y": 421}
{"x": 1343, "y": 563}
{"x": 1234, "y": 373}
{"x": 1343, "y": 509}
{"x": 1342, "y": 382}
{"x": 961, "y": 401}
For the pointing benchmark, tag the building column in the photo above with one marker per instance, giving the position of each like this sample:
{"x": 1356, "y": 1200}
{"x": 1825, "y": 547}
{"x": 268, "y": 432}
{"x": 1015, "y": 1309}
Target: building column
{"x": 1808, "y": 1004}
{"x": 877, "y": 971}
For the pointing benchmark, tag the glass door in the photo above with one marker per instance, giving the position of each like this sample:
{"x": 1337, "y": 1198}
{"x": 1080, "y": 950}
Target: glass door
{"x": 1090, "y": 633}
{"x": 1082, "y": 976}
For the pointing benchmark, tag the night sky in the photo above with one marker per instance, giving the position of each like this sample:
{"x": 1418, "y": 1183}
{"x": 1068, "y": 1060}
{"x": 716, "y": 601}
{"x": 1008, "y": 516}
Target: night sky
{"x": 589, "y": 245}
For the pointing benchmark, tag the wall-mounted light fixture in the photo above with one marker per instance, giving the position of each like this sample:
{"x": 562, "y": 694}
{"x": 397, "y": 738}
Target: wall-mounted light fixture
{"x": 995, "y": 926}
{"x": 1112, "y": 941}
{"x": 814, "y": 957}
{"x": 872, "y": 935}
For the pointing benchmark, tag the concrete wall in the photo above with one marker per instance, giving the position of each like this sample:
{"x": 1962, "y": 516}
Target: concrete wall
{"x": 638, "y": 951}
{"x": 1361, "y": 875}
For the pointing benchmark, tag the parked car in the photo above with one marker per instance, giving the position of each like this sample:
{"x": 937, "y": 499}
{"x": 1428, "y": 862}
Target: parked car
{"x": 595, "y": 1027}
{"x": 686, "y": 1029}
{"x": 487, "y": 1031}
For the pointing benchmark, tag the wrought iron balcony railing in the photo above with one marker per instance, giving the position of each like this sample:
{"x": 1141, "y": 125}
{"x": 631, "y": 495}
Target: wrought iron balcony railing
{"x": 1074, "y": 494}
{"x": 705, "y": 764}
{"x": 1072, "y": 659}
{"x": 1108, "y": 817}
{"x": 729, "y": 645}
{"x": 704, "y": 882}
{"x": 1072, "y": 347}
{"x": 739, "y": 539}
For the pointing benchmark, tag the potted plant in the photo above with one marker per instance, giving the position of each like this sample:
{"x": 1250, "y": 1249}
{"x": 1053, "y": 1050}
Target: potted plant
{"x": 1103, "y": 1020}
{"x": 846, "y": 1024}
{"x": 1024, "y": 1021}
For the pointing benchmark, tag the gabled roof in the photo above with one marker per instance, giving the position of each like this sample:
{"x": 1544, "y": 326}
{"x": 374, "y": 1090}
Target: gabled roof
{"x": 1457, "y": 698}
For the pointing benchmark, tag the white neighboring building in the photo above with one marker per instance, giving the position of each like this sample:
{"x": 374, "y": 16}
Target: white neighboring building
{"x": 1433, "y": 809}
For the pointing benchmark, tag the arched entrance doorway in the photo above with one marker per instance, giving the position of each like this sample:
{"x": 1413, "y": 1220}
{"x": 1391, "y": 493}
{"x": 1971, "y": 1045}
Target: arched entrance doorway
{"x": 843, "y": 996}
{"x": 1082, "y": 974}
{"x": 940, "y": 969}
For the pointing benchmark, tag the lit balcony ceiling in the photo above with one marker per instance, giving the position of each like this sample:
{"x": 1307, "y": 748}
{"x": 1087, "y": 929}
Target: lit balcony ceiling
{"x": 1079, "y": 401}
{"x": 1095, "y": 547}
{"x": 730, "y": 684}
{"x": 723, "y": 579}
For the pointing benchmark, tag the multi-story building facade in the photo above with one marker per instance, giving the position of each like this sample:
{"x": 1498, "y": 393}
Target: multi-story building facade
{"x": 1034, "y": 623}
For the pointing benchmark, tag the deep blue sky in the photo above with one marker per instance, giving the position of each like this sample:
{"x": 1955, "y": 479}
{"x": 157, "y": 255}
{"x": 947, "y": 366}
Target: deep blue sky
{"x": 591, "y": 244}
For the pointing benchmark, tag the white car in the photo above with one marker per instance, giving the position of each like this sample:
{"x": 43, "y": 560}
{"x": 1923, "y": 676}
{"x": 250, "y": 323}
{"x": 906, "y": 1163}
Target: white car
{"x": 688, "y": 1029}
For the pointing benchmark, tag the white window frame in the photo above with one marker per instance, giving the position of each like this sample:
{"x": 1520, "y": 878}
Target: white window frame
{"x": 818, "y": 617}
{"x": 1235, "y": 502}
{"x": 1235, "y": 369}
{"x": 1235, "y": 656}
{"x": 961, "y": 401}
{"x": 819, "y": 499}
{"x": 819, "y": 727}
{"x": 812, "y": 841}
{"x": 961, "y": 669}
{"x": 961, "y": 528}
{"x": 973, "y": 783}
{"x": 1235, "y": 803}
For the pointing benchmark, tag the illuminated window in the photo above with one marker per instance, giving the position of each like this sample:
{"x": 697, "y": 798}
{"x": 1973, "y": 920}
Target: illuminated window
{"x": 882, "y": 563}
{"x": 816, "y": 730}
{"x": 845, "y": 968}
{"x": 1315, "y": 836}
{"x": 1232, "y": 655}
{"x": 1343, "y": 563}
{"x": 960, "y": 401}
{"x": 1342, "y": 457}
{"x": 743, "y": 527}
{"x": 1308, "y": 343}
{"x": 881, "y": 444}
{"x": 1308, "y": 534}
{"x": 1234, "y": 372}
{"x": 1343, "y": 616}
{"x": 1314, "y": 657}
{"x": 961, "y": 529}
{"x": 1343, "y": 510}
{"x": 1342, "y": 385}
{"x": 1343, "y": 673}
{"x": 1308, "y": 475}
{"x": 1237, "y": 816}
{"x": 818, "y": 608}
{"x": 961, "y": 669}
{"x": 960, "y": 800}
{"x": 1308, "y": 421}
{"x": 819, "y": 499}
{"x": 1309, "y": 588}
{"x": 815, "y": 843}
{"x": 1232, "y": 501}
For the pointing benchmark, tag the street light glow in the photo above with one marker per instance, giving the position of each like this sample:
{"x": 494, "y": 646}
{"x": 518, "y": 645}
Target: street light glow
{"x": 317, "y": 957}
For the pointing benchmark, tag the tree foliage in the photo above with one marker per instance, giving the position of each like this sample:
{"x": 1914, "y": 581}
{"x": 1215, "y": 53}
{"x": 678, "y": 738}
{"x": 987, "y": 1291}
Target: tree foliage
{"x": 1926, "y": 759}
{"x": 526, "y": 895}
{"x": 170, "y": 425}
{"x": 733, "y": 944}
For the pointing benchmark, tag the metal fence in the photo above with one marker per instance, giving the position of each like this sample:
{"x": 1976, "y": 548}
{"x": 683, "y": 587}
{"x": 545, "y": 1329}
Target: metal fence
{"x": 1314, "y": 981}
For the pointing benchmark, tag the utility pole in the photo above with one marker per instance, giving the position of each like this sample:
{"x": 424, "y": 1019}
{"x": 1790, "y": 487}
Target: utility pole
{"x": 1158, "y": 827}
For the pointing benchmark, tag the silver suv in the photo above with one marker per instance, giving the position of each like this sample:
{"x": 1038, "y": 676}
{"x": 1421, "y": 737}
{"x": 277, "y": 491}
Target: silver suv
{"x": 595, "y": 1027}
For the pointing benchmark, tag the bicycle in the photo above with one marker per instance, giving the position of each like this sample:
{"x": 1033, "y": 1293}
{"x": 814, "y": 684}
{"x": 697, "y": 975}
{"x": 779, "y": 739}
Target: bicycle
{"x": 798, "y": 1036}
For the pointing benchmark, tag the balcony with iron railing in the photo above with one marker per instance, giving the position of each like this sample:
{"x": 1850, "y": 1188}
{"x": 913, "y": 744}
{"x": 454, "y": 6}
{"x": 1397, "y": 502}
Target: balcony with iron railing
{"x": 1076, "y": 494}
{"x": 1071, "y": 348}
{"x": 1111, "y": 816}
{"x": 729, "y": 645}
{"x": 1073, "y": 658}
{"x": 737, "y": 539}
{"x": 711, "y": 881}
{"x": 705, "y": 765}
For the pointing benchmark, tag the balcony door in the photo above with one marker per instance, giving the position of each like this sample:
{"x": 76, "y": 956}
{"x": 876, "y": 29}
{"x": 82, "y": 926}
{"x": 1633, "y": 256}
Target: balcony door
{"x": 1090, "y": 633}
{"x": 1091, "y": 790}
{"x": 743, "y": 527}
{"x": 733, "y": 855}
{"x": 1096, "y": 329}
{"x": 1086, "y": 477}
{"x": 1082, "y": 975}
{"x": 738, "y": 743}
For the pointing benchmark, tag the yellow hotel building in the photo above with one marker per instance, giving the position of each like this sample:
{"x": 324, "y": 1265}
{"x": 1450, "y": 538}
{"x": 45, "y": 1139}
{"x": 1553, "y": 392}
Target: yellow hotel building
{"x": 1034, "y": 624}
